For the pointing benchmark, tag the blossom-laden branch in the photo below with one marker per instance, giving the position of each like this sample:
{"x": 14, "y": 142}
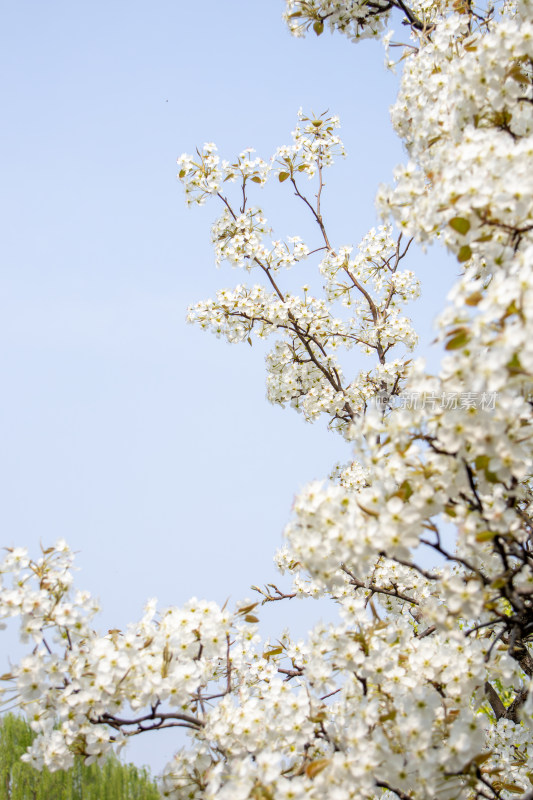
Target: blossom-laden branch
{"x": 304, "y": 369}
{"x": 421, "y": 687}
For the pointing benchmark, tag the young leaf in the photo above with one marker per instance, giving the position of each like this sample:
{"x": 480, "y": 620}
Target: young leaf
{"x": 464, "y": 254}
{"x": 460, "y": 225}
{"x": 458, "y": 340}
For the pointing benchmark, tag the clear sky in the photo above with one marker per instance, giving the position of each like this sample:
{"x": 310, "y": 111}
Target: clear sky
{"x": 145, "y": 443}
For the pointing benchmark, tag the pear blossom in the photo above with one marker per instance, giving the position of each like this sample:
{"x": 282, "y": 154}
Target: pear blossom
{"x": 422, "y": 685}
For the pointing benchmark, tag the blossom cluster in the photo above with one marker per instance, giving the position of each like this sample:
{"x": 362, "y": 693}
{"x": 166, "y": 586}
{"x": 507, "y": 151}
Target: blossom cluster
{"x": 354, "y": 18}
{"x": 314, "y": 148}
{"x": 422, "y": 687}
{"x": 464, "y": 113}
{"x": 376, "y": 694}
{"x": 305, "y": 369}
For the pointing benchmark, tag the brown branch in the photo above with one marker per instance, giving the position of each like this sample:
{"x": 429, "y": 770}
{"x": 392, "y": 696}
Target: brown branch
{"x": 302, "y": 336}
{"x": 316, "y": 214}
{"x": 183, "y": 720}
{"x": 228, "y": 664}
{"x": 269, "y": 597}
{"x": 325, "y": 696}
{"x": 397, "y": 792}
{"x": 430, "y": 576}
{"x": 413, "y": 20}
{"x": 500, "y": 711}
{"x": 291, "y": 673}
{"x": 320, "y": 222}
{"x": 512, "y": 712}
{"x": 495, "y": 701}
{"x": 427, "y": 632}
{"x": 226, "y": 203}
{"x": 440, "y": 549}
{"x": 378, "y": 589}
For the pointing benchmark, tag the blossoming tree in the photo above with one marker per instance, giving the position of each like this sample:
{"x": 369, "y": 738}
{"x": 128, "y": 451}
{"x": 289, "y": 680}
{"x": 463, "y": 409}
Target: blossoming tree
{"x": 422, "y": 689}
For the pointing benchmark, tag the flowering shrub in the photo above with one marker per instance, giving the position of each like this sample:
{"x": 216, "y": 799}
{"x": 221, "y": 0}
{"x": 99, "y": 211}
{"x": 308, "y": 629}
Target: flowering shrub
{"x": 423, "y": 687}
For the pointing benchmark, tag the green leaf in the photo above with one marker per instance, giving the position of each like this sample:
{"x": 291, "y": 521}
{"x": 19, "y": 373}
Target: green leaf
{"x": 482, "y": 463}
{"x": 316, "y": 766}
{"x": 405, "y": 491}
{"x": 514, "y": 788}
{"x": 318, "y": 27}
{"x": 460, "y": 225}
{"x": 368, "y": 511}
{"x": 251, "y": 618}
{"x": 498, "y": 583}
{"x": 485, "y": 536}
{"x": 283, "y": 176}
{"x": 514, "y": 367}
{"x": 517, "y": 73}
{"x": 261, "y": 793}
{"x": 491, "y": 477}
{"x": 511, "y": 309}
{"x": 276, "y": 651}
{"x": 464, "y": 254}
{"x": 256, "y": 179}
{"x": 459, "y": 340}
{"x": 473, "y": 299}
{"x": 247, "y": 609}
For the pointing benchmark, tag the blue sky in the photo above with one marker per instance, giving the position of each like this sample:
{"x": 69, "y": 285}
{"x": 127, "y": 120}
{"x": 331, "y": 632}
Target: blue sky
{"x": 145, "y": 443}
